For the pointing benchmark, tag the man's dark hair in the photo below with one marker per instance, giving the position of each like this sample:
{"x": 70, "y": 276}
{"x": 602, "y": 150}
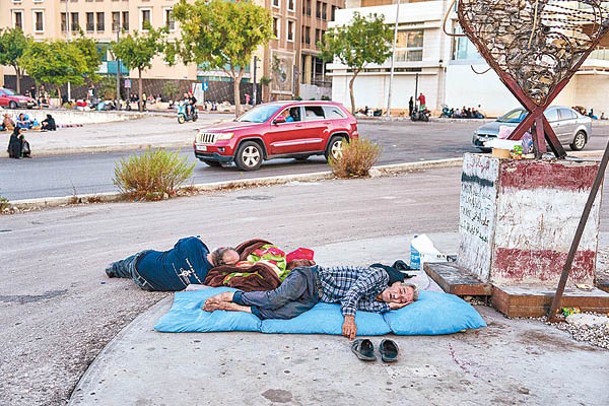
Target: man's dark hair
{"x": 217, "y": 255}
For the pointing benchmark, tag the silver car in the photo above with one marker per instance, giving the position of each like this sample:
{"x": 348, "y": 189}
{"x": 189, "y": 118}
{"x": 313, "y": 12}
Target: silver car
{"x": 571, "y": 128}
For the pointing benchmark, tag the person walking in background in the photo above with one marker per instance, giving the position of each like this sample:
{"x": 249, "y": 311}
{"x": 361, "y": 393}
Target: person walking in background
{"x": 410, "y": 106}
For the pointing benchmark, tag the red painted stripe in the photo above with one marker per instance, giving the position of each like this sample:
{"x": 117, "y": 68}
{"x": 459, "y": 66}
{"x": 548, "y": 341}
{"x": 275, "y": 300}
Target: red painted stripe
{"x": 533, "y": 174}
{"x": 541, "y": 265}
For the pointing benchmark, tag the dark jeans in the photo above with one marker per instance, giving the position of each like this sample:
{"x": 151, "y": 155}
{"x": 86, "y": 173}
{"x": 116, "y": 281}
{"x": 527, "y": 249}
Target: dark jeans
{"x": 299, "y": 292}
{"x": 126, "y": 268}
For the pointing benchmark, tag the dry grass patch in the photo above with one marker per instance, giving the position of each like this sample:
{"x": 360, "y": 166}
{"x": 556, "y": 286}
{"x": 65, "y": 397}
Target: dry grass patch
{"x": 357, "y": 158}
{"x": 153, "y": 175}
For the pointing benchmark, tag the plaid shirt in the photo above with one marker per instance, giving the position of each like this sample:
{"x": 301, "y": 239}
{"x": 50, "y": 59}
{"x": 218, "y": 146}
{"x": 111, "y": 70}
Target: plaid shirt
{"x": 354, "y": 288}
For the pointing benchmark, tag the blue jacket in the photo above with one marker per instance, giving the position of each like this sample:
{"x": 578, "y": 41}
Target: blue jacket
{"x": 175, "y": 269}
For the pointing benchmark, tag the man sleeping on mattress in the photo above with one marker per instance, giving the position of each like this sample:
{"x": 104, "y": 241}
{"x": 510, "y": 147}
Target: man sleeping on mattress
{"x": 369, "y": 289}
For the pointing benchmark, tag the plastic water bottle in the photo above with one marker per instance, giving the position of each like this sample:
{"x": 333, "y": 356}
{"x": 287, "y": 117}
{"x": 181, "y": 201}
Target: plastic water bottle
{"x": 415, "y": 256}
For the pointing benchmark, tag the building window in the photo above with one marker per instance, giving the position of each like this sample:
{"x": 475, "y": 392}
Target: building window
{"x": 291, "y": 5}
{"x": 126, "y": 20}
{"x": 306, "y": 8}
{"x": 324, "y": 9}
{"x": 333, "y": 16}
{"x": 38, "y": 21}
{"x": 276, "y": 27}
{"x": 145, "y": 17}
{"x": 409, "y": 46}
{"x": 306, "y": 35}
{"x": 74, "y": 26}
{"x": 318, "y": 9}
{"x": 170, "y": 23}
{"x": 276, "y": 3}
{"x": 64, "y": 20}
{"x": 101, "y": 22}
{"x": 18, "y": 19}
{"x": 116, "y": 20}
{"x": 317, "y": 35}
{"x": 90, "y": 25}
{"x": 291, "y": 31}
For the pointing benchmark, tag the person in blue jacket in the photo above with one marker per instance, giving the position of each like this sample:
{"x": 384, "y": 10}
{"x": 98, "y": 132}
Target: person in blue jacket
{"x": 187, "y": 262}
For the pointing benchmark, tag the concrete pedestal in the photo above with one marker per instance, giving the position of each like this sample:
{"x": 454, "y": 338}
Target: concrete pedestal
{"x": 518, "y": 219}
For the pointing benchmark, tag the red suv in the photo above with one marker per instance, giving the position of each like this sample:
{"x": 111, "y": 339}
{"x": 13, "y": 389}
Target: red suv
{"x": 292, "y": 129}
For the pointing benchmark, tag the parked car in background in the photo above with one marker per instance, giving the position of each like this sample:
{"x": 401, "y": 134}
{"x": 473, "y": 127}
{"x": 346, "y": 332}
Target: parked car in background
{"x": 571, "y": 128}
{"x": 288, "y": 129}
{"x": 10, "y": 99}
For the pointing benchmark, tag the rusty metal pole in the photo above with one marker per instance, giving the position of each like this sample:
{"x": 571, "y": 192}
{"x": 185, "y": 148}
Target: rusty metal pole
{"x": 578, "y": 235}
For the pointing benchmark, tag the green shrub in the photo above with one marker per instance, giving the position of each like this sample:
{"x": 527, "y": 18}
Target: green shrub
{"x": 153, "y": 175}
{"x": 357, "y": 159}
{"x": 324, "y": 97}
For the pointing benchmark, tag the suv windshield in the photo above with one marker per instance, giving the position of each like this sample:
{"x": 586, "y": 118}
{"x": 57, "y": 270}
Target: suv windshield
{"x": 8, "y": 92}
{"x": 258, "y": 114}
{"x": 514, "y": 116}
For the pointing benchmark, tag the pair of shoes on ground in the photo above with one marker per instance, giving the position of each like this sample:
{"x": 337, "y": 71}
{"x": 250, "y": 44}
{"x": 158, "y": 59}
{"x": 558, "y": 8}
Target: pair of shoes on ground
{"x": 364, "y": 350}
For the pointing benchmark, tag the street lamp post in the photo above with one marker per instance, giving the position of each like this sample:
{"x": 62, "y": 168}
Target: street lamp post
{"x": 68, "y": 40}
{"x": 118, "y": 71}
{"x": 255, "y": 89}
{"x": 395, "y": 40}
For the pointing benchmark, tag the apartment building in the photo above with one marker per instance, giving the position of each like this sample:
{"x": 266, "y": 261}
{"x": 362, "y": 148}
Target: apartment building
{"x": 291, "y": 60}
{"x": 448, "y": 70}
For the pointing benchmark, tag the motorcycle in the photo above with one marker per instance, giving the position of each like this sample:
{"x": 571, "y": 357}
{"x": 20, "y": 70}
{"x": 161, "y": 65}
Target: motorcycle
{"x": 446, "y": 112}
{"x": 184, "y": 117}
{"x": 420, "y": 115}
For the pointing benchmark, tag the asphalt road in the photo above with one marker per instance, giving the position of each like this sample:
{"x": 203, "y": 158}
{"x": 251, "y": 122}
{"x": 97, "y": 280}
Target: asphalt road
{"x": 70, "y": 174}
{"x": 66, "y": 175}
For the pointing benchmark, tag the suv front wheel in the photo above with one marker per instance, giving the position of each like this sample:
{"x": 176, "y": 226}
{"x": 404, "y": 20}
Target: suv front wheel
{"x": 249, "y": 156}
{"x": 335, "y": 147}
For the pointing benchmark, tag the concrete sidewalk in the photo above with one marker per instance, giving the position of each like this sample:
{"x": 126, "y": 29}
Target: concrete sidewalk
{"x": 509, "y": 362}
{"x": 154, "y": 131}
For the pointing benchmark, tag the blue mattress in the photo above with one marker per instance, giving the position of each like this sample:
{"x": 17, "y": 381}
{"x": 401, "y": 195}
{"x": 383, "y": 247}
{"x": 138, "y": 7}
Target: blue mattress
{"x": 434, "y": 313}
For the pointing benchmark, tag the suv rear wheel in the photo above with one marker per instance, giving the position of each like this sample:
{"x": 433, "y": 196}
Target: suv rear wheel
{"x": 335, "y": 147}
{"x": 249, "y": 156}
{"x": 12, "y": 105}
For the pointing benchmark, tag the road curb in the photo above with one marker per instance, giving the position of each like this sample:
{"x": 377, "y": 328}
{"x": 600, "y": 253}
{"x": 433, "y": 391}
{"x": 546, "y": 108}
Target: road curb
{"x": 108, "y": 197}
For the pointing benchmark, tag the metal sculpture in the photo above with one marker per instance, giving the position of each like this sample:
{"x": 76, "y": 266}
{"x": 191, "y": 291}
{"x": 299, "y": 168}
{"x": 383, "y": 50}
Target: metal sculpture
{"x": 535, "y": 47}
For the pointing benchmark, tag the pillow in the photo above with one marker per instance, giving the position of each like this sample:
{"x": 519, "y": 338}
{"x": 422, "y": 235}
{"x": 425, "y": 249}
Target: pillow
{"x": 326, "y": 318}
{"x": 186, "y": 315}
{"x": 434, "y": 313}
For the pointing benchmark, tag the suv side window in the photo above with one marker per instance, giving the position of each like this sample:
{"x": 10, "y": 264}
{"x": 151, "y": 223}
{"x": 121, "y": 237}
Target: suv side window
{"x": 295, "y": 113}
{"x": 314, "y": 113}
{"x": 334, "y": 112}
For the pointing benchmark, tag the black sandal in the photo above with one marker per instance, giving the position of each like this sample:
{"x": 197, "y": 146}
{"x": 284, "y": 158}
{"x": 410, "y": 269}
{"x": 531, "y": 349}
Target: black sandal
{"x": 389, "y": 350}
{"x": 363, "y": 349}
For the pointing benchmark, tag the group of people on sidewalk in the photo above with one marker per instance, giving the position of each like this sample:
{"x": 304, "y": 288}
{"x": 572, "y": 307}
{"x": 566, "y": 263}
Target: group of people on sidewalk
{"x": 376, "y": 288}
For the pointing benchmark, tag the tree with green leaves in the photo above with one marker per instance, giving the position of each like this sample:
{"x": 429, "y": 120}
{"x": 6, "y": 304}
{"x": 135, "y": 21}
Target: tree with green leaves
{"x": 13, "y": 44}
{"x": 365, "y": 40}
{"x": 222, "y": 34}
{"x": 88, "y": 48}
{"x": 137, "y": 50}
{"x": 55, "y": 63}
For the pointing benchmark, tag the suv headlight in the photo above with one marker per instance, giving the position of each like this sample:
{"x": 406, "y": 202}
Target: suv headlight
{"x": 224, "y": 136}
